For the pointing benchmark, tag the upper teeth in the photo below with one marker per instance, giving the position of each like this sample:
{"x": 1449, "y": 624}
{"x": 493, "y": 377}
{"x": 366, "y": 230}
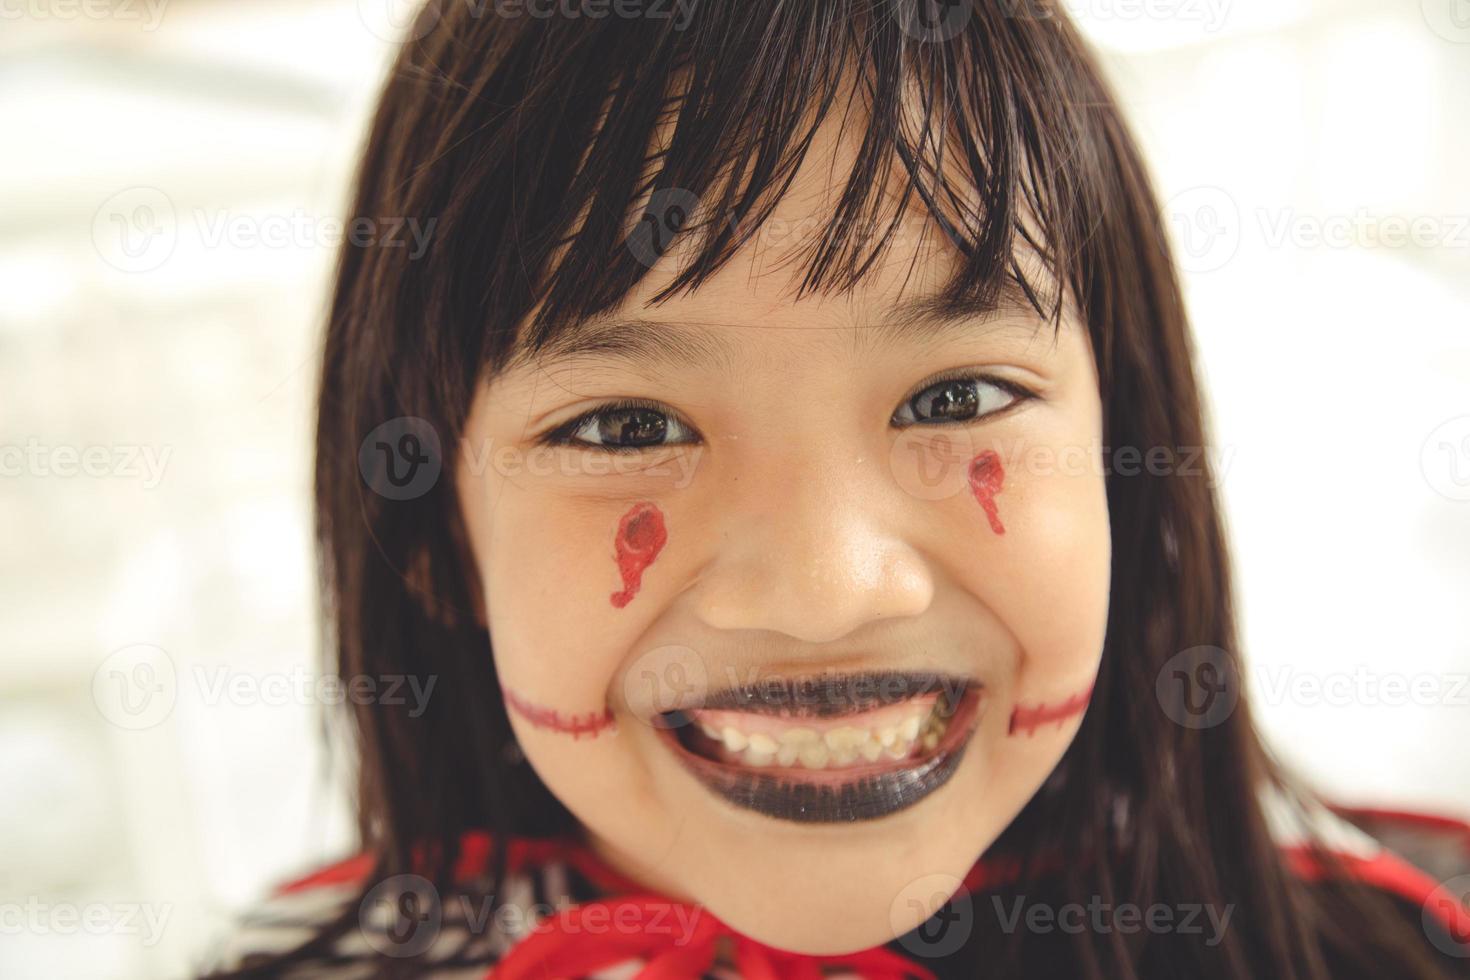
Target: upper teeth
{"x": 837, "y": 747}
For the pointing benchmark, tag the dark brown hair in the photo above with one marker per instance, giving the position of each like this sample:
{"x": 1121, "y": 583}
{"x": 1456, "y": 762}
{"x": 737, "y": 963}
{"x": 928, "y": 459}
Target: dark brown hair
{"x": 527, "y": 139}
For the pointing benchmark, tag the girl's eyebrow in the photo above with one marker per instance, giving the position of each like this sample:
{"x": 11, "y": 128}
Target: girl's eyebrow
{"x": 636, "y": 341}
{"x": 682, "y": 344}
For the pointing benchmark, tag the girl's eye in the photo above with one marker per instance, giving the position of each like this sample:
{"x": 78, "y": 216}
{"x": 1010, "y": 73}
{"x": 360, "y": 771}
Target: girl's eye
{"x": 959, "y": 399}
{"x": 631, "y": 425}
{"x": 627, "y": 426}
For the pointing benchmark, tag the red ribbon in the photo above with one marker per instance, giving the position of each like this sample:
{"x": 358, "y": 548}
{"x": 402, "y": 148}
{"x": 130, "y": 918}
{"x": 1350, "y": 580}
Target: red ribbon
{"x": 676, "y": 941}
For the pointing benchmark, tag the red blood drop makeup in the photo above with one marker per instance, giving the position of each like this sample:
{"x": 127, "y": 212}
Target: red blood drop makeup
{"x": 641, "y": 536}
{"x": 987, "y": 476}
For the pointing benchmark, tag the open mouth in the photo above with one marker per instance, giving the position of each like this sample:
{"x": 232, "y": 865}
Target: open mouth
{"x": 833, "y": 748}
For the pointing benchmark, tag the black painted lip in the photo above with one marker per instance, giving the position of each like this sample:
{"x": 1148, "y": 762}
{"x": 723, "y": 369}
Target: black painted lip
{"x": 864, "y": 798}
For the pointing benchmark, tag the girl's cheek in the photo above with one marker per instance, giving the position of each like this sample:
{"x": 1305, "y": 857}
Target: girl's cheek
{"x": 564, "y": 540}
{"x": 1047, "y": 581}
{"x": 550, "y": 575}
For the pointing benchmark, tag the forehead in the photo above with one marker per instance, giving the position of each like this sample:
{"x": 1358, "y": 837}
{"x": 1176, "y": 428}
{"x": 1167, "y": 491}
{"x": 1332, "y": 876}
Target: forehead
{"x": 707, "y": 332}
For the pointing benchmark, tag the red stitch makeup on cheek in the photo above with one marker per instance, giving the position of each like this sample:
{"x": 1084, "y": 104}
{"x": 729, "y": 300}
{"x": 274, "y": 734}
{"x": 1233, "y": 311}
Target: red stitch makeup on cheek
{"x": 987, "y": 476}
{"x": 551, "y": 720}
{"x": 1027, "y": 720}
{"x": 641, "y": 536}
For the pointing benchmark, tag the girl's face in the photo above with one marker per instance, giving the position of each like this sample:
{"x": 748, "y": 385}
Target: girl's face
{"x": 799, "y": 633}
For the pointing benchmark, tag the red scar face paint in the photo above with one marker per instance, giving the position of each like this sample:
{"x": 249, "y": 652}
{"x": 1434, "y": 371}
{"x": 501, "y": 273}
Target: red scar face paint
{"x": 641, "y": 536}
{"x": 549, "y": 719}
{"x": 1027, "y": 720}
{"x": 987, "y": 477}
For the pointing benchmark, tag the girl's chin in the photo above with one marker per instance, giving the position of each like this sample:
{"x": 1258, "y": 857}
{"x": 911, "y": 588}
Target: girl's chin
{"x": 791, "y": 855}
{"x": 862, "y": 904}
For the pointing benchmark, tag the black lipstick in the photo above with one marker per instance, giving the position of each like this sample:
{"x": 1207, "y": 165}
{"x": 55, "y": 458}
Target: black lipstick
{"x": 863, "y": 789}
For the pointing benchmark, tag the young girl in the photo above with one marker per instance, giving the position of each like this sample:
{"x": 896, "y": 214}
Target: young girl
{"x": 786, "y": 465}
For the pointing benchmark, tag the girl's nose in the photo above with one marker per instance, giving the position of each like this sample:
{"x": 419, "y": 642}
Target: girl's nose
{"x": 814, "y": 546}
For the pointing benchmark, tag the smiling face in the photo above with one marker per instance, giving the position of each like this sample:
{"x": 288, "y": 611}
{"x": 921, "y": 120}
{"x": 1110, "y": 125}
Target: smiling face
{"x": 795, "y": 603}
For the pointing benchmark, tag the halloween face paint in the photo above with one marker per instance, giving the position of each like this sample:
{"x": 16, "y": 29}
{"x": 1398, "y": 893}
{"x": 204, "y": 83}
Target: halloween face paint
{"x": 800, "y": 553}
{"x": 641, "y": 536}
{"x": 1024, "y": 719}
{"x": 987, "y": 476}
{"x": 549, "y": 719}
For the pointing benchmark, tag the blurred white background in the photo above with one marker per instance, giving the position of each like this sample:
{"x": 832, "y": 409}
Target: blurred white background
{"x": 169, "y": 174}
